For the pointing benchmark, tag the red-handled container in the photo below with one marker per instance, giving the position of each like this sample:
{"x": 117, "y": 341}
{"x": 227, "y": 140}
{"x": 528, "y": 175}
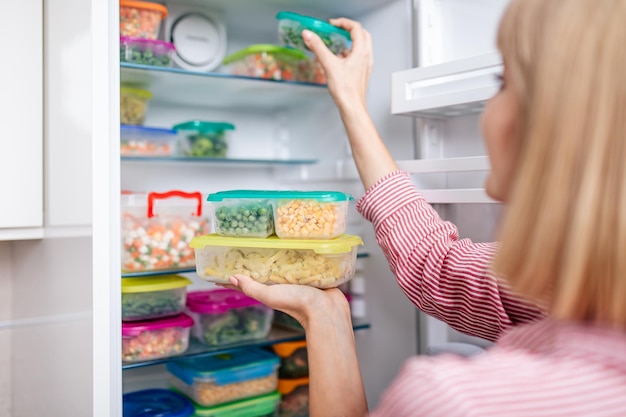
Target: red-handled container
{"x": 155, "y": 339}
{"x": 157, "y": 229}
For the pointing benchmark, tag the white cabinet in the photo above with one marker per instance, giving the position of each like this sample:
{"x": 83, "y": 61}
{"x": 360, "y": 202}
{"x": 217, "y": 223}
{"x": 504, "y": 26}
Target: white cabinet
{"x": 21, "y": 118}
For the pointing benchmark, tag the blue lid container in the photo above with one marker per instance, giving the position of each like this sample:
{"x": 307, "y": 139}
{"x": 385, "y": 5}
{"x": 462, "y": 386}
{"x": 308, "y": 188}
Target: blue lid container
{"x": 157, "y": 403}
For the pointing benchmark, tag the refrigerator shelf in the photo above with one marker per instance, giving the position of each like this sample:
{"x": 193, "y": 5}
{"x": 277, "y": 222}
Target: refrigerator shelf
{"x": 277, "y": 335}
{"x": 175, "y": 86}
{"x": 446, "y": 90}
{"x": 222, "y": 162}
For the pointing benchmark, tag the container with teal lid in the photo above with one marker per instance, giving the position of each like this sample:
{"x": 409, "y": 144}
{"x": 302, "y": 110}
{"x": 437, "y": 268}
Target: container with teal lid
{"x": 294, "y": 214}
{"x": 291, "y": 25}
{"x": 265, "y": 61}
{"x": 153, "y": 297}
{"x": 221, "y": 378}
{"x": 321, "y": 263}
{"x": 224, "y": 317}
{"x": 156, "y": 403}
{"x": 260, "y": 406}
{"x": 204, "y": 139}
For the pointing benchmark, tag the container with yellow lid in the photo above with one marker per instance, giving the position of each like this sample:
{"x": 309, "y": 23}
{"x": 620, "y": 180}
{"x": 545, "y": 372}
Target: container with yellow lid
{"x": 153, "y": 297}
{"x": 133, "y": 105}
{"x": 318, "y": 263}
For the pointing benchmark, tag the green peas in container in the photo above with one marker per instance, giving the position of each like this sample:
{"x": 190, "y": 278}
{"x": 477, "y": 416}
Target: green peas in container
{"x": 202, "y": 139}
{"x": 242, "y": 213}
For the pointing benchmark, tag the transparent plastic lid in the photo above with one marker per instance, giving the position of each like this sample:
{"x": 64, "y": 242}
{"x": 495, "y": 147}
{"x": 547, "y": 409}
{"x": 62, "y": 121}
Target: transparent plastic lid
{"x": 156, "y": 403}
{"x": 338, "y": 245}
{"x": 148, "y": 284}
{"x": 226, "y": 368}
{"x": 313, "y": 24}
{"x": 322, "y": 196}
{"x": 218, "y": 301}
{"x": 132, "y": 40}
{"x": 281, "y": 52}
{"x": 204, "y": 127}
{"x": 144, "y": 130}
{"x": 249, "y": 407}
{"x": 134, "y": 329}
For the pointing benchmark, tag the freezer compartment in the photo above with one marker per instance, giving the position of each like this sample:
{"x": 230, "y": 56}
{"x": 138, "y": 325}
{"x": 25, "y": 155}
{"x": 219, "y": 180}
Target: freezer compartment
{"x": 155, "y": 339}
{"x": 291, "y": 25}
{"x": 265, "y": 61}
{"x": 133, "y": 105}
{"x": 261, "y": 406}
{"x": 141, "y": 141}
{"x": 294, "y": 360}
{"x": 295, "y": 397}
{"x": 158, "y": 227}
{"x": 202, "y": 139}
{"x": 318, "y": 263}
{"x": 223, "y": 317}
{"x": 146, "y": 51}
{"x": 156, "y": 402}
{"x": 141, "y": 19}
{"x": 153, "y": 297}
{"x": 222, "y": 378}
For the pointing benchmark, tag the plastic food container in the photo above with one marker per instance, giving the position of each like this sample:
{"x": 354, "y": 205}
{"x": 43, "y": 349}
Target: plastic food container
{"x": 156, "y": 403}
{"x": 146, "y": 51}
{"x": 200, "y": 139}
{"x": 294, "y": 361}
{"x": 155, "y": 339}
{"x": 291, "y": 25}
{"x": 318, "y": 263}
{"x": 261, "y": 406}
{"x": 147, "y": 141}
{"x": 221, "y": 378}
{"x": 133, "y": 105}
{"x": 311, "y": 71}
{"x": 244, "y": 213}
{"x": 141, "y": 19}
{"x": 270, "y": 62}
{"x": 158, "y": 227}
{"x": 224, "y": 316}
{"x": 153, "y": 297}
{"x": 295, "y": 397}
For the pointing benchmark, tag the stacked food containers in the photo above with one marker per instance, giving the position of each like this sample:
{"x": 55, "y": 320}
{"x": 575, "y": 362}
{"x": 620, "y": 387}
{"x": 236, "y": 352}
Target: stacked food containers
{"x": 293, "y": 383}
{"x": 156, "y": 230}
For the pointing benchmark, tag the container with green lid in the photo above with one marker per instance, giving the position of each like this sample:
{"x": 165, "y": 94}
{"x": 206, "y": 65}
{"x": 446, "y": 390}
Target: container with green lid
{"x": 294, "y": 214}
{"x": 261, "y": 406}
{"x": 153, "y": 297}
{"x": 291, "y": 25}
{"x": 266, "y": 61}
{"x": 202, "y": 139}
{"x": 133, "y": 105}
{"x": 321, "y": 263}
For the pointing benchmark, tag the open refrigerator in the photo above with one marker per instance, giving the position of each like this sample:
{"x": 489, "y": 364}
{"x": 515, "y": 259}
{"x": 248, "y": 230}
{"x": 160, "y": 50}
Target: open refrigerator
{"x": 435, "y": 66}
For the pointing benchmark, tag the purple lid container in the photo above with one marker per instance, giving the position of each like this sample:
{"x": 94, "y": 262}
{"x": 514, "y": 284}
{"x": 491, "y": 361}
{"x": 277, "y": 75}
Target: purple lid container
{"x": 135, "y": 328}
{"x": 129, "y": 40}
{"x": 218, "y": 301}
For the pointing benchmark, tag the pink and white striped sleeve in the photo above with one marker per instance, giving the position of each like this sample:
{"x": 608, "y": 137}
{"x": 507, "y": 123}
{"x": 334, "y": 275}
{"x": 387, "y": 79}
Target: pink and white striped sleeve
{"x": 444, "y": 276}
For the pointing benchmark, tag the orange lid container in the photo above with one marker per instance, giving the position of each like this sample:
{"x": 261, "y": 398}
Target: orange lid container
{"x": 287, "y": 386}
{"x": 145, "y": 5}
{"x": 287, "y": 348}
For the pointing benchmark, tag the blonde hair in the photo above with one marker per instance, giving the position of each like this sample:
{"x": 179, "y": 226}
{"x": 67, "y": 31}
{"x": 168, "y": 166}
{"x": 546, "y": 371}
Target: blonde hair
{"x": 564, "y": 228}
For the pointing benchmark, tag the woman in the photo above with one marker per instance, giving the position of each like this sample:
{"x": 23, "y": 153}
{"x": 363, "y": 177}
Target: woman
{"x": 555, "y": 138}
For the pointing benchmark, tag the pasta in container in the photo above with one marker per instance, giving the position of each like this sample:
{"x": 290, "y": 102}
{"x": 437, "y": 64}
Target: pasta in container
{"x": 315, "y": 262}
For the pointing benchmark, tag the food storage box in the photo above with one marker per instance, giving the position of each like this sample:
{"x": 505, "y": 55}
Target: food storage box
{"x": 133, "y": 105}
{"x": 270, "y": 62}
{"x": 294, "y": 361}
{"x": 318, "y": 263}
{"x": 261, "y": 406}
{"x": 223, "y": 316}
{"x": 146, "y": 51}
{"x": 147, "y": 141}
{"x": 311, "y": 71}
{"x": 291, "y": 25}
{"x": 200, "y": 139}
{"x": 221, "y": 378}
{"x": 155, "y": 339}
{"x": 244, "y": 213}
{"x": 158, "y": 227}
{"x": 295, "y": 397}
{"x": 156, "y": 403}
{"x": 153, "y": 297}
{"x": 141, "y": 19}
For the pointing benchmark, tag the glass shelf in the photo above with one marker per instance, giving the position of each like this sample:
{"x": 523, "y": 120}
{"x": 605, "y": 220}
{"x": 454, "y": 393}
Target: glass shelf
{"x": 277, "y": 335}
{"x": 176, "y": 86}
{"x": 234, "y": 162}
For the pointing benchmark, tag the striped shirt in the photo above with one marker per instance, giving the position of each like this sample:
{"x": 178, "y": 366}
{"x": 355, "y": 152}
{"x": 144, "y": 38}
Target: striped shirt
{"x": 538, "y": 366}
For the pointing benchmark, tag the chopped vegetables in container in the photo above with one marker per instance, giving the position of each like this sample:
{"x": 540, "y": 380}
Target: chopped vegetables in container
{"x": 265, "y": 61}
{"x": 155, "y": 339}
{"x": 139, "y": 141}
{"x": 153, "y": 297}
{"x": 146, "y": 51}
{"x": 291, "y": 25}
{"x": 156, "y": 403}
{"x": 224, "y": 316}
{"x": 141, "y": 19}
{"x": 202, "y": 139}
